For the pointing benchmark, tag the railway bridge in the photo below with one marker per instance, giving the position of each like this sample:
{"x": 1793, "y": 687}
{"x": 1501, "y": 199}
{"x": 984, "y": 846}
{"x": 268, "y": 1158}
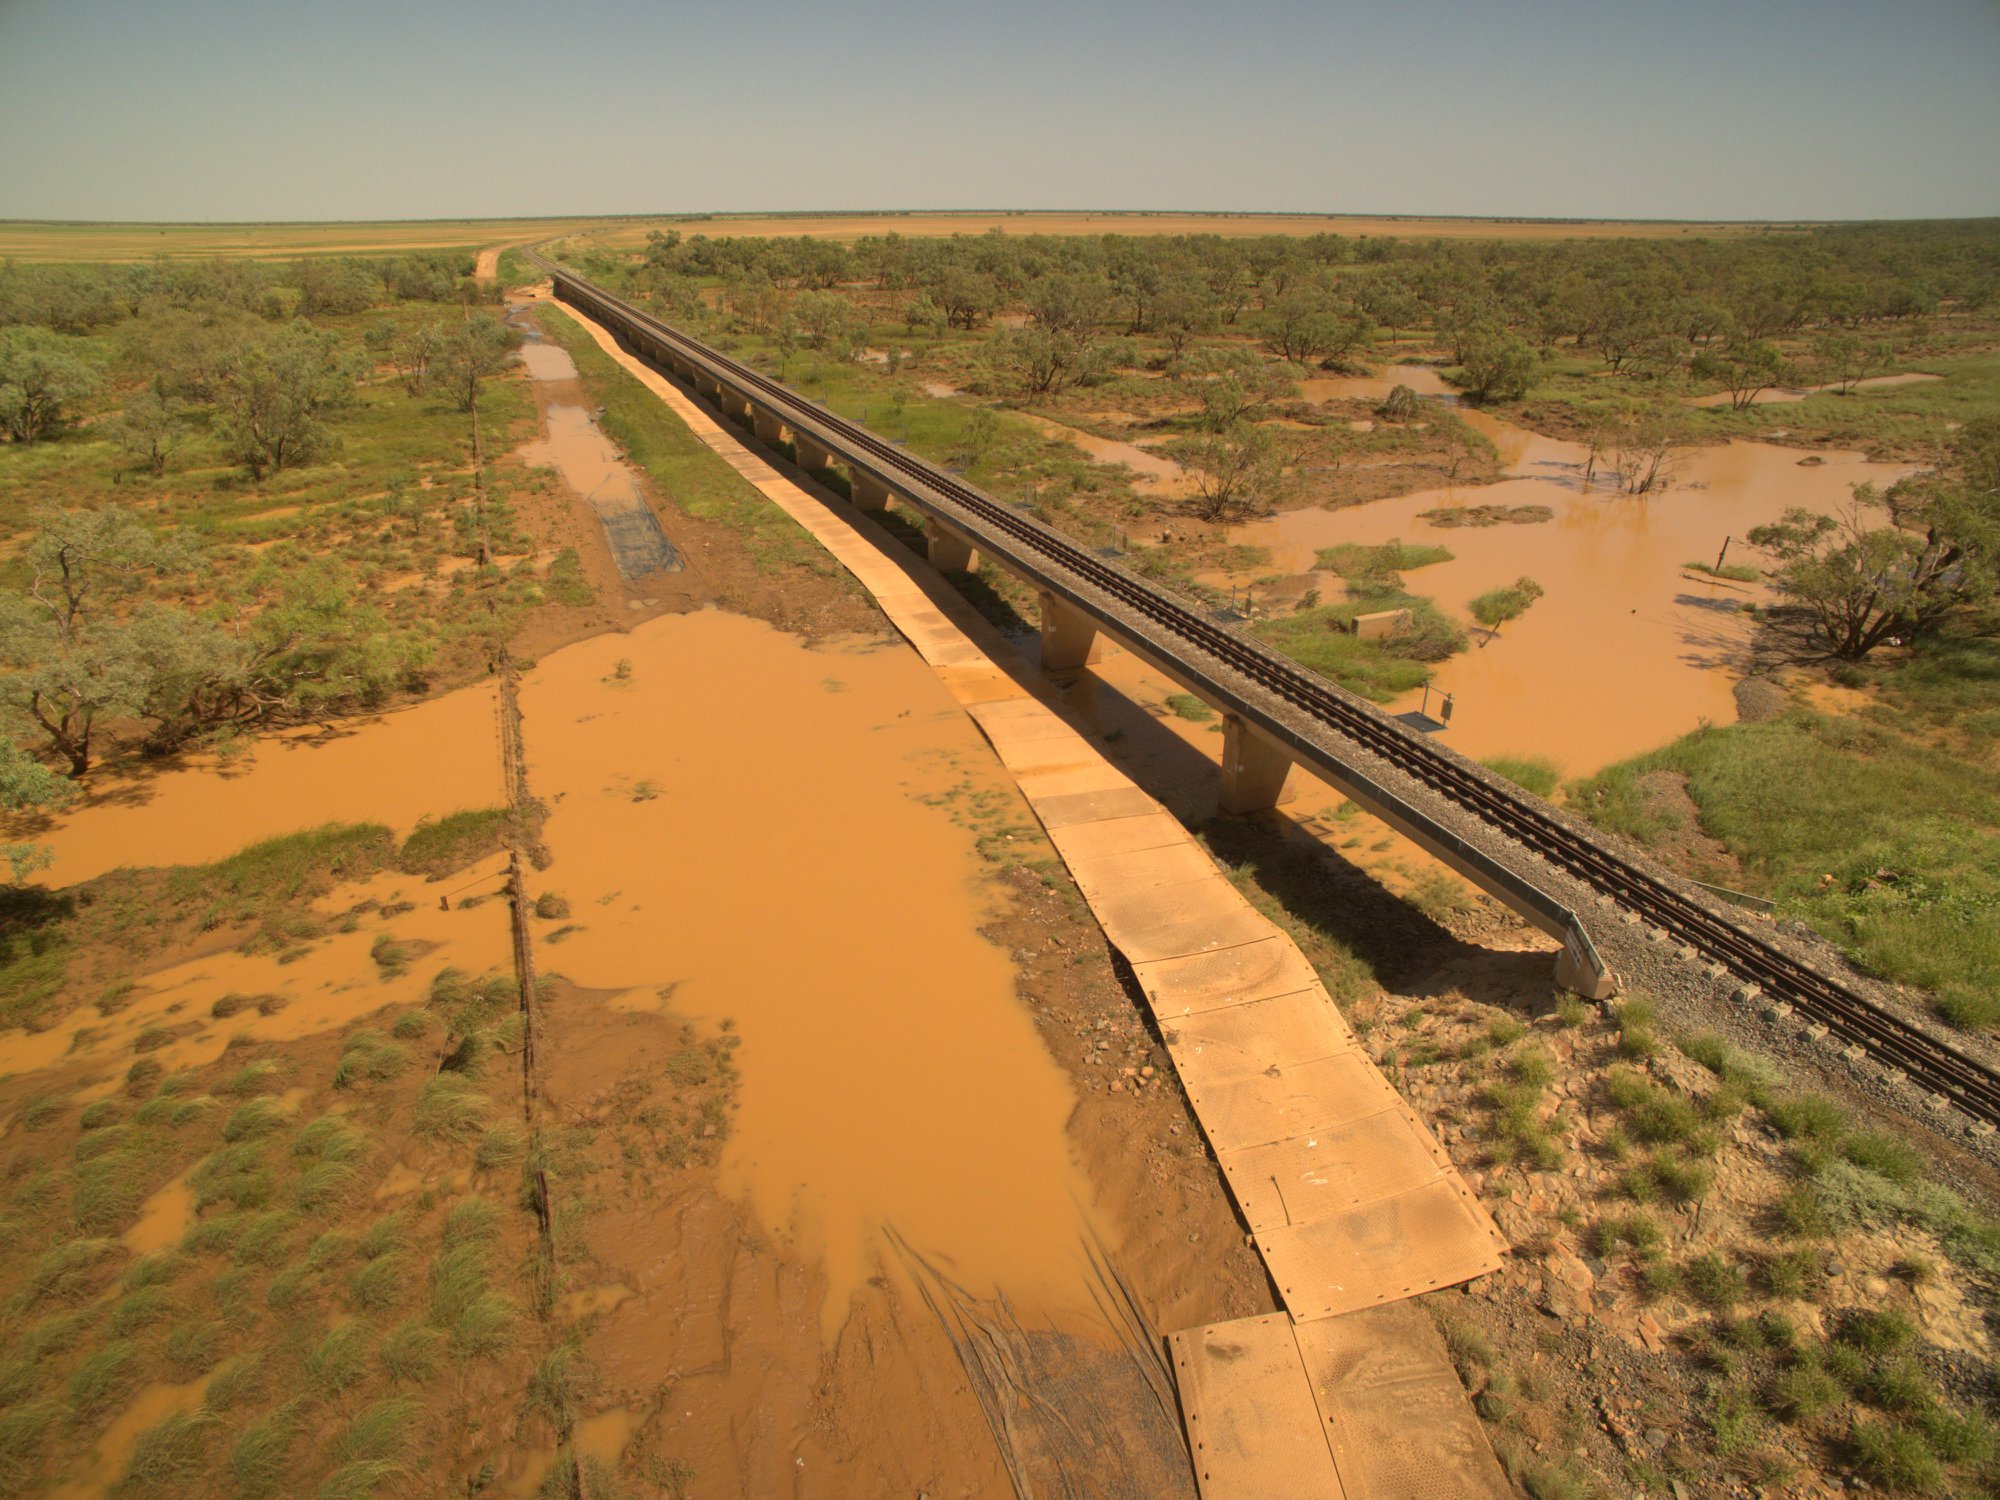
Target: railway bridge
{"x": 1274, "y": 713}
{"x": 1277, "y": 714}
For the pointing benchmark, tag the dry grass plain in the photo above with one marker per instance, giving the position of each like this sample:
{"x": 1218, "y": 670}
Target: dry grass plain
{"x": 55, "y": 241}
{"x": 855, "y": 226}
{"x": 45, "y": 240}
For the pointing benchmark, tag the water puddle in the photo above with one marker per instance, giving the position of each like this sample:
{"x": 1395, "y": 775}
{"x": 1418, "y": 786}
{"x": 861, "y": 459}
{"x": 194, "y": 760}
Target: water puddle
{"x": 1152, "y": 473}
{"x": 184, "y": 1015}
{"x": 105, "y": 1461}
{"x": 1626, "y": 650}
{"x": 436, "y": 757}
{"x": 163, "y": 1218}
{"x": 545, "y": 361}
{"x": 1422, "y": 380}
{"x": 602, "y": 1437}
{"x": 788, "y": 835}
{"x": 1778, "y": 394}
{"x": 592, "y": 466}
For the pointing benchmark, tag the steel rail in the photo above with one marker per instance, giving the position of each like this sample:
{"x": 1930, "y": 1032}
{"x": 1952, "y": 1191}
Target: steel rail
{"x": 1929, "y": 1061}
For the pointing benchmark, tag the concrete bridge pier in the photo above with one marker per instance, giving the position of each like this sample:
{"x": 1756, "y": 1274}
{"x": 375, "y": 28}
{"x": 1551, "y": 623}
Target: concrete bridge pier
{"x": 767, "y": 427}
{"x": 869, "y": 494}
{"x": 809, "y": 455}
{"x": 949, "y": 551}
{"x": 733, "y": 405}
{"x": 1253, "y": 769}
{"x": 1070, "y": 638}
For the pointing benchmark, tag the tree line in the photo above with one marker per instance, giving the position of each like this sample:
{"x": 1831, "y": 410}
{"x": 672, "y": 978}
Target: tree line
{"x": 112, "y": 621}
{"x": 229, "y": 347}
{"x": 1655, "y": 309}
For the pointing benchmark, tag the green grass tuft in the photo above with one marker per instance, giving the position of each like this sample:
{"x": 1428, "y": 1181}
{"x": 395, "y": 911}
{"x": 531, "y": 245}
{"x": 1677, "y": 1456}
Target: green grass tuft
{"x": 412, "y": 1352}
{"x": 248, "y": 1121}
{"x": 454, "y": 841}
{"x": 450, "y": 1108}
{"x": 260, "y": 1463}
{"x": 103, "y": 1378}
{"x": 368, "y": 1057}
{"x": 1895, "y": 1458}
{"x": 1532, "y": 773}
{"x": 339, "y": 1361}
{"x": 168, "y": 1455}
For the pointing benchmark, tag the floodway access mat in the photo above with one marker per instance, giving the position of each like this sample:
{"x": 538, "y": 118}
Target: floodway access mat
{"x": 1351, "y": 1200}
{"x": 1361, "y": 1407}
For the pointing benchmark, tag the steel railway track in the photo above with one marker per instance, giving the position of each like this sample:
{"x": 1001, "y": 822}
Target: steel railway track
{"x": 1930, "y": 1062}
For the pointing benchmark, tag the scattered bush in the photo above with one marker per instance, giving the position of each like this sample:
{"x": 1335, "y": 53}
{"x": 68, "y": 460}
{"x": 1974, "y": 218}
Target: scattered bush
{"x": 411, "y": 1352}
{"x": 103, "y": 1378}
{"x": 70, "y": 1272}
{"x": 503, "y": 1144}
{"x": 330, "y": 1138}
{"x": 381, "y": 1283}
{"x": 1810, "y": 1117}
{"x": 411, "y": 1024}
{"x": 248, "y": 1121}
{"x": 260, "y": 1461}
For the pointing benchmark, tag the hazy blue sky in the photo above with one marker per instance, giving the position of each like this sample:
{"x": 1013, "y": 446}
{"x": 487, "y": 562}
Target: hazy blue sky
{"x": 282, "y": 109}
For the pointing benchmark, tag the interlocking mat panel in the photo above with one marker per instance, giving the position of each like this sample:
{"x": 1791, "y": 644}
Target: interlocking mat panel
{"x": 1360, "y": 1407}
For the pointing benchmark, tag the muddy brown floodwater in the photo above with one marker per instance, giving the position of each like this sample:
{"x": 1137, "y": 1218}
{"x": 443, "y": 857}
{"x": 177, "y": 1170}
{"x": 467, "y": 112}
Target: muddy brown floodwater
{"x": 783, "y": 839}
{"x": 433, "y": 758}
{"x": 1152, "y": 473}
{"x": 1626, "y": 650}
{"x": 591, "y": 465}
{"x": 1782, "y": 393}
{"x": 328, "y": 983}
{"x": 1422, "y": 380}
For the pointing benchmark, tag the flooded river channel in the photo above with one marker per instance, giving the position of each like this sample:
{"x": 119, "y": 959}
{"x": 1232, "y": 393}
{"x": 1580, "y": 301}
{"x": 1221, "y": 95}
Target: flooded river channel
{"x": 784, "y": 839}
